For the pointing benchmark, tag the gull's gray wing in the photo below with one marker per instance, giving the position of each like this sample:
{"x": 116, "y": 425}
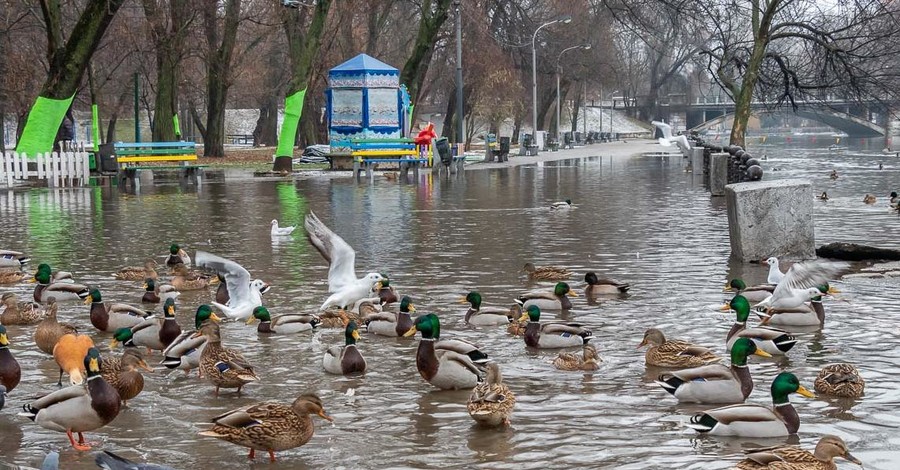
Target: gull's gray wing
{"x": 340, "y": 256}
{"x": 236, "y": 277}
{"x": 806, "y": 275}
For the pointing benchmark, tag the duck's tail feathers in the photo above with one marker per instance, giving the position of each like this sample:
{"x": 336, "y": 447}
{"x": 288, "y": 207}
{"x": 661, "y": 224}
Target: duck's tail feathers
{"x": 29, "y": 412}
{"x": 785, "y": 342}
{"x": 171, "y": 362}
{"x": 520, "y": 301}
{"x": 24, "y": 260}
{"x": 669, "y": 382}
{"x": 702, "y": 422}
{"x": 478, "y": 357}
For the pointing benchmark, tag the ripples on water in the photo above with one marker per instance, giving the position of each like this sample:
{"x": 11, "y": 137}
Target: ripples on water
{"x": 643, "y": 220}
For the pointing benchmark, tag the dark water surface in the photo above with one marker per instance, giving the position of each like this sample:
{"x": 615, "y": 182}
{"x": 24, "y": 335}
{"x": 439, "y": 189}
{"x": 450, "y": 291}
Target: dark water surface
{"x": 642, "y": 219}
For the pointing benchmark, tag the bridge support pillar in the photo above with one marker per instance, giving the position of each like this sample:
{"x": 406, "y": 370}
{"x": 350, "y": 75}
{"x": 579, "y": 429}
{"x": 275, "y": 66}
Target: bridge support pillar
{"x": 889, "y": 130}
{"x": 771, "y": 218}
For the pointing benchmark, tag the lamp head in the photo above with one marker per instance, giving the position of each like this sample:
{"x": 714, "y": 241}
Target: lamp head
{"x": 565, "y": 19}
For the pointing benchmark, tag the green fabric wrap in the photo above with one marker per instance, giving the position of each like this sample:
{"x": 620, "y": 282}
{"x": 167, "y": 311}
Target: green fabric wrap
{"x": 293, "y": 107}
{"x": 95, "y": 127}
{"x": 42, "y": 125}
{"x": 176, "y": 125}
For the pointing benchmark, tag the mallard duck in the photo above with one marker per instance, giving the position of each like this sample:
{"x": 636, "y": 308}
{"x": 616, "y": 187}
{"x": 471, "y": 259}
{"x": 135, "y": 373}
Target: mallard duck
{"x": 552, "y": 335}
{"x": 391, "y": 324}
{"x": 20, "y": 313}
{"x": 110, "y": 317}
{"x": 491, "y": 401}
{"x": 840, "y": 380}
{"x": 794, "y": 458}
{"x": 823, "y": 196}
{"x": 285, "y": 324}
{"x": 811, "y": 315}
{"x": 749, "y": 420}
{"x": 67, "y": 352}
{"x": 754, "y": 294}
{"x": 556, "y": 299}
{"x": 869, "y": 199}
{"x": 775, "y": 273}
{"x": 184, "y": 352}
{"x": 895, "y": 198}
{"x": 138, "y": 273}
{"x": 487, "y": 316}
{"x": 224, "y": 367}
{"x": 603, "y": 286}
{"x": 386, "y": 292}
{"x": 177, "y": 255}
{"x": 155, "y": 293}
{"x": 587, "y": 361}
{"x": 12, "y": 277}
{"x": 12, "y": 259}
{"x": 122, "y": 373}
{"x": 338, "y": 318}
{"x": 184, "y": 279}
{"x": 674, "y": 353}
{"x": 345, "y": 359}
{"x": 715, "y": 383}
{"x": 833, "y": 175}
{"x": 10, "y": 372}
{"x": 447, "y": 364}
{"x": 60, "y": 290}
{"x": 546, "y": 273}
{"x": 561, "y": 205}
{"x": 56, "y": 276}
{"x": 243, "y": 294}
{"x": 518, "y": 326}
{"x": 78, "y": 408}
{"x": 222, "y": 296}
{"x": 773, "y": 341}
{"x": 49, "y": 330}
{"x": 152, "y": 333}
{"x": 269, "y": 426}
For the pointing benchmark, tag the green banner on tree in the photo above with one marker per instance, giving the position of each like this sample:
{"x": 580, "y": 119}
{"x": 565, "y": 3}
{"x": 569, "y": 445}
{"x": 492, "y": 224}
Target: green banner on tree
{"x": 177, "y": 126}
{"x": 42, "y": 125}
{"x": 95, "y": 127}
{"x": 293, "y": 107}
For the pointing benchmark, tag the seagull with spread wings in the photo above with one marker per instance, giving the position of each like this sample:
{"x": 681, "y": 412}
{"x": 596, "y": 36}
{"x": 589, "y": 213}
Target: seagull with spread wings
{"x": 343, "y": 284}
{"x": 799, "y": 285}
{"x": 668, "y": 139}
{"x": 244, "y": 295}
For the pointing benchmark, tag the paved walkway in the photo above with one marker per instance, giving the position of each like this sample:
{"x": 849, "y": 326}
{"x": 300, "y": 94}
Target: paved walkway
{"x": 627, "y": 148}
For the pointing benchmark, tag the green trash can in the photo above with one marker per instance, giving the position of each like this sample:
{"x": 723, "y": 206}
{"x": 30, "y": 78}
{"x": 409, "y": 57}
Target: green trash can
{"x": 92, "y": 162}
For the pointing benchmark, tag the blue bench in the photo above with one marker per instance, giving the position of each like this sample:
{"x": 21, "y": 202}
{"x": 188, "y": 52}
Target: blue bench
{"x": 131, "y": 155}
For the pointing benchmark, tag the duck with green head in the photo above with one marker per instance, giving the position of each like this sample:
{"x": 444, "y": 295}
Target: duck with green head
{"x": 152, "y": 333}
{"x": 554, "y": 299}
{"x": 392, "y": 324}
{"x": 346, "y": 359}
{"x": 754, "y": 294}
{"x": 773, "y": 341}
{"x": 479, "y": 315}
{"x": 156, "y": 292}
{"x": 552, "y": 335}
{"x": 446, "y": 364}
{"x": 603, "y": 285}
{"x": 812, "y": 316}
{"x": 386, "y": 293}
{"x": 184, "y": 352}
{"x": 177, "y": 255}
{"x": 61, "y": 291}
{"x": 56, "y": 276}
{"x": 749, "y": 420}
{"x": 715, "y": 383}
{"x": 285, "y": 324}
{"x": 110, "y": 317}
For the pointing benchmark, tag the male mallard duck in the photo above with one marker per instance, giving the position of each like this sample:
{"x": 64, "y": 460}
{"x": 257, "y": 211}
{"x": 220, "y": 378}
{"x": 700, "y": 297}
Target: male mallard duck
{"x": 567, "y": 204}
{"x": 487, "y": 316}
{"x": 67, "y": 352}
{"x": 674, "y": 353}
{"x": 12, "y": 259}
{"x": 224, "y": 367}
{"x": 60, "y": 290}
{"x": 49, "y": 330}
{"x": 184, "y": 279}
{"x": 386, "y": 292}
{"x": 77, "y": 408}
{"x": 152, "y": 333}
{"x": 552, "y": 335}
{"x": 833, "y": 175}
{"x": 20, "y": 313}
{"x": 812, "y": 315}
{"x": 823, "y": 196}
{"x": 794, "y": 458}
{"x": 491, "y": 401}
{"x": 546, "y": 273}
{"x": 587, "y": 361}
{"x": 155, "y": 293}
{"x": 12, "y": 277}
{"x": 177, "y": 255}
{"x": 749, "y": 420}
{"x": 184, "y": 352}
{"x": 111, "y": 317}
{"x": 770, "y": 340}
{"x": 345, "y": 359}
{"x": 391, "y": 324}
{"x": 10, "y": 372}
{"x": 840, "y": 380}
{"x": 603, "y": 286}
{"x": 222, "y": 296}
{"x": 56, "y": 276}
{"x": 269, "y": 426}
{"x": 715, "y": 383}
{"x": 447, "y": 364}
{"x": 754, "y": 294}
{"x": 869, "y": 199}
{"x": 285, "y": 324}
{"x": 895, "y": 198}
{"x": 122, "y": 373}
{"x": 138, "y": 273}
{"x": 556, "y": 299}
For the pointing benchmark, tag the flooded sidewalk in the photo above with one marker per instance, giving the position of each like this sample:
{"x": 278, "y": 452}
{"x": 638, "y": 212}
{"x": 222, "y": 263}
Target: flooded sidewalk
{"x": 622, "y": 148}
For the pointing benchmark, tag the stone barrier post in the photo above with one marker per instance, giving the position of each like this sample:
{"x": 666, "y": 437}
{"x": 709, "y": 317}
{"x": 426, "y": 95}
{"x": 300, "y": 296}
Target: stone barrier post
{"x": 771, "y": 218}
{"x": 718, "y": 173}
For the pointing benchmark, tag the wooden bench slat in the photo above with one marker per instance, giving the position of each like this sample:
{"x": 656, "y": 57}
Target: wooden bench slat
{"x": 172, "y": 151}
{"x": 155, "y": 158}
{"x": 141, "y": 145}
{"x": 165, "y": 167}
{"x": 378, "y": 153}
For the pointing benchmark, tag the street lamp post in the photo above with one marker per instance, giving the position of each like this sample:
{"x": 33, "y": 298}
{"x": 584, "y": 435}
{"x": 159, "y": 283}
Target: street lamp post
{"x": 459, "y": 81}
{"x": 558, "y": 73}
{"x": 534, "y": 126}
{"x": 611, "y": 107}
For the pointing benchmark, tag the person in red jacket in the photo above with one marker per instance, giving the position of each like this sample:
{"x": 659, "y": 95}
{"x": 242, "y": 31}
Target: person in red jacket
{"x": 425, "y": 135}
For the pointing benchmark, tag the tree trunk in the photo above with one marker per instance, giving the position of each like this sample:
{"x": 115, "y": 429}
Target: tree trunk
{"x": 744, "y": 98}
{"x": 265, "y": 134}
{"x": 67, "y": 65}
{"x": 416, "y": 67}
{"x": 517, "y": 127}
{"x": 169, "y": 40}
{"x": 218, "y": 67}
{"x": 577, "y": 103}
{"x": 449, "y": 129}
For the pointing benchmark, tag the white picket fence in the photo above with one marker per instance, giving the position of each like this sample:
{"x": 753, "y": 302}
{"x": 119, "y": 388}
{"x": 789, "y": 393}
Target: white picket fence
{"x": 67, "y": 168}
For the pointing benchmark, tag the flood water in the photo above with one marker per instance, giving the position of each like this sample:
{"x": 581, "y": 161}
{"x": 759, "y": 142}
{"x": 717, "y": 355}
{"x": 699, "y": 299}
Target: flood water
{"x": 643, "y": 220}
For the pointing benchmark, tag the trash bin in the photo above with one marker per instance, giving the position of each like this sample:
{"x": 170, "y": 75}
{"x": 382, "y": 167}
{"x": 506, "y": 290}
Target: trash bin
{"x": 108, "y": 158}
{"x": 442, "y": 145}
{"x": 503, "y": 153}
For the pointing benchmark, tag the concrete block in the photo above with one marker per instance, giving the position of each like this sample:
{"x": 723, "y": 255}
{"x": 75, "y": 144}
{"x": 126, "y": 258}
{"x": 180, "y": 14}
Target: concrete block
{"x": 718, "y": 173}
{"x": 771, "y": 218}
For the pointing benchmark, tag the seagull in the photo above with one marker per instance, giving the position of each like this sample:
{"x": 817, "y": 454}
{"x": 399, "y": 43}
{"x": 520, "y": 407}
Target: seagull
{"x": 668, "y": 139}
{"x": 343, "y": 284}
{"x": 799, "y": 285}
{"x": 244, "y": 295}
{"x": 775, "y": 274}
{"x": 281, "y": 231}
